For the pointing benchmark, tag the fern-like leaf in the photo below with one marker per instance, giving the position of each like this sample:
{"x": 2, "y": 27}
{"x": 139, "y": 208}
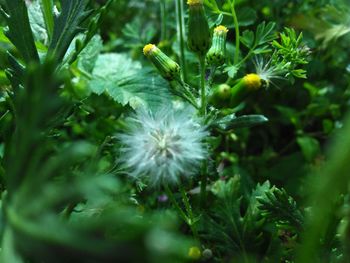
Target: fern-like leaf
{"x": 281, "y": 208}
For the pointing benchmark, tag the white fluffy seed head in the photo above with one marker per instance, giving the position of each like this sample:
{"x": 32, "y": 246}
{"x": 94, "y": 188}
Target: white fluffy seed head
{"x": 268, "y": 72}
{"x": 162, "y": 147}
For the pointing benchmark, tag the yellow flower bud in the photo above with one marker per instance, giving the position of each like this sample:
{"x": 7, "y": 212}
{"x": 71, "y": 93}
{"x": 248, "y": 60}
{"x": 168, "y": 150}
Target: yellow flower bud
{"x": 216, "y": 54}
{"x": 199, "y": 39}
{"x": 252, "y": 81}
{"x": 167, "y": 67}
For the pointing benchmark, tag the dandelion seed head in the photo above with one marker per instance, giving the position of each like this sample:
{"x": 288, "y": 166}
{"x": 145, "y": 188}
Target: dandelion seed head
{"x": 268, "y": 72}
{"x": 164, "y": 146}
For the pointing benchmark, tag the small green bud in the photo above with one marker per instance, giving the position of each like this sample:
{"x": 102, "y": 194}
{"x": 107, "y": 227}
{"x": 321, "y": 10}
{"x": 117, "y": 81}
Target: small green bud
{"x": 216, "y": 54}
{"x": 199, "y": 39}
{"x": 167, "y": 67}
{"x": 220, "y": 96}
{"x": 194, "y": 253}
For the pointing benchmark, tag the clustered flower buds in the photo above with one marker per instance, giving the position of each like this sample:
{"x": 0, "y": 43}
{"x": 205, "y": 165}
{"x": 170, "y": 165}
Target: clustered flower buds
{"x": 167, "y": 67}
{"x": 224, "y": 96}
{"x": 199, "y": 39}
{"x": 216, "y": 54}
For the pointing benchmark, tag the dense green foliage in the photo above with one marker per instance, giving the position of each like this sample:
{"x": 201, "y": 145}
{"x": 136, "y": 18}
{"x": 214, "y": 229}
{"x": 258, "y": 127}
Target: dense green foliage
{"x": 251, "y": 148}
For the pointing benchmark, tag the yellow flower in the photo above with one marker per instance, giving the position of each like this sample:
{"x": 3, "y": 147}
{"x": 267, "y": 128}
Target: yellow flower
{"x": 220, "y": 29}
{"x": 252, "y": 81}
{"x": 148, "y": 49}
{"x": 216, "y": 54}
{"x": 195, "y": 2}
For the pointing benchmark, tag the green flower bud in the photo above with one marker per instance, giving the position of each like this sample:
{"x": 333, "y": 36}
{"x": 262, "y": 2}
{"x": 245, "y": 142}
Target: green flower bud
{"x": 216, "y": 54}
{"x": 167, "y": 67}
{"x": 220, "y": 97}
{"x": 248, "y": 84}
{"x": 199, "y": 39}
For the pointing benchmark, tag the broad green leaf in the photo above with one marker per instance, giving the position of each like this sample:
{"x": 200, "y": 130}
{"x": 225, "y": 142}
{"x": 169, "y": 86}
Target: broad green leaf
{"x": 127, "y": 83}
{"x": 89, "y": 55}
{"x": 37, "y": 22}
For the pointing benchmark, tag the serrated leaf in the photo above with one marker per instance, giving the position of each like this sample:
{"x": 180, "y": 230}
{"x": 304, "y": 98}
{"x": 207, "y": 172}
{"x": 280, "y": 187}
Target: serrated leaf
{"x": 89, "y": 55}
{"x": 67, "y": 26}
{"x": 19, "y": 30}
{"x": 127, "y": 83}
{"x": 232, "y": 71}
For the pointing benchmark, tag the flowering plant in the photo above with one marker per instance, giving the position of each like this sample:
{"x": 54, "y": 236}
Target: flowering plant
{"x": 170, "y": 131}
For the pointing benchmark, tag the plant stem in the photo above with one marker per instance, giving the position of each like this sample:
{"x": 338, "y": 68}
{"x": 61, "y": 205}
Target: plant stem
{"x": 189, "y": 220}
{"x": 47, "y": 9}
{"x": 181, "y": 36}
{"x": 173, "y": 200}
{"x": 202, "y": 86}
{"x": 188, "y": 207}
{"x": 163, "y": 35}
{"x": 203, "y": 193}
{"x": 235, "y": 21}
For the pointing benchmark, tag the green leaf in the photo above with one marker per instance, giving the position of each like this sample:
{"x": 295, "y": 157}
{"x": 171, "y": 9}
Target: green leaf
{"x": 281, "y": 209}
{"x": 247, "y": 38}
{"x": 246, "y": 16}
{"x": 37, "y": 22}
{"x": 89, "y": 55}
{"x": 232, "y": 71}
{"x": 67, "y": 26}
{"x": 246, "y": 121}
{"x": 265, "y": 33}
{"x": 19, "y": 30}
{"x": 309, "y": 146}
{"x": 127, "y": 83}
{"x": 47, "y": 9}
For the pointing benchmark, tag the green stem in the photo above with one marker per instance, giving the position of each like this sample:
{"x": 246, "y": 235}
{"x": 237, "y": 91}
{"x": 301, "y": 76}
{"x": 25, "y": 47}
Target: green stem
{"x": 203, "y": 193}
{"x": 202, "y": 86}
{"x": 189, "y": 95}
{"x": 163, "y": 22}
{"x": 188, "y": 219}
{"x": 235, "y": 21}
{"x": 173, "y": 200}
{"x": 250, "y": 53}
{"x": 47, "y": 9}
{"x": 181, "y": 36}
{"x": 192, "y": 222}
